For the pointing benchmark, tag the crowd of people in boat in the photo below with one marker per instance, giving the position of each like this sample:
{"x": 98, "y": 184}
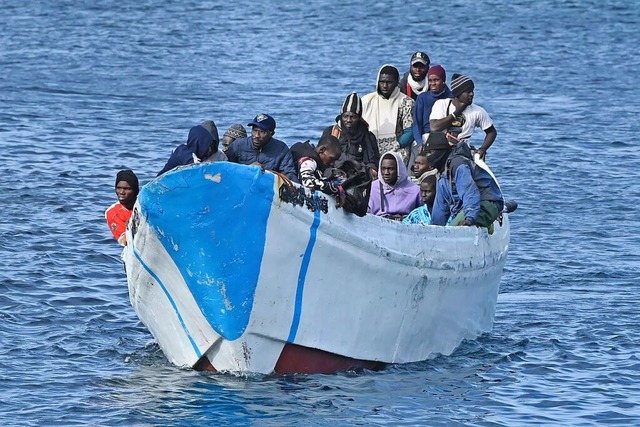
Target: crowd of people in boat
{"x": 402, "y": 150}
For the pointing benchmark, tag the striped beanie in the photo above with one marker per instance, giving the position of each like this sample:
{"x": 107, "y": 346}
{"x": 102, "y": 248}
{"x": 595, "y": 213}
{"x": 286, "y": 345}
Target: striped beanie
{"x": 460, "y": 84}
{"x": 352, "y": 104}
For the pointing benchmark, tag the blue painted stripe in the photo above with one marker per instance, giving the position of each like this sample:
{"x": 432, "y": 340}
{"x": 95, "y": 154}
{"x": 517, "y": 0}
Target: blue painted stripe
{"x": 302, "y": 276}
{"x": 173, "y": 304}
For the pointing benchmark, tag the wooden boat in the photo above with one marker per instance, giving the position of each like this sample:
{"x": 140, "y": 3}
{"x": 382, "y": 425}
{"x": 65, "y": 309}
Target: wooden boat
{"x": 231, "y": 269}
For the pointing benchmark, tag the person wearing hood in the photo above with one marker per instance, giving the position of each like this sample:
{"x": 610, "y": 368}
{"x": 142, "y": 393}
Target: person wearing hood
{"x": 460, "y": 116}
{"x": 201, "y": 145}
{"x": 119, "y": 213}
{"x": 466, "y": 193}
{"x": 262, "y": 149}
{"x": 414, "y": 82}
{"x": 356, "y": 141}
{"x": 393, "y": 195}
{"x": 389, "y": 113}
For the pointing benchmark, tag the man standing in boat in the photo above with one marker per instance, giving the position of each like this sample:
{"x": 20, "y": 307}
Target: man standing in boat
{"x": 461, "y": 113}
{"x": 261, "y": 149}
{"x": 389, "y": 113}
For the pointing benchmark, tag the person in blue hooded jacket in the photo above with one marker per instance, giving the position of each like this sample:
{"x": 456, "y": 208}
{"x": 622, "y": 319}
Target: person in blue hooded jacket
{"x": 202, "y": 145}
{"x": 466, "y": 194}
{"x": 262, "y": 149}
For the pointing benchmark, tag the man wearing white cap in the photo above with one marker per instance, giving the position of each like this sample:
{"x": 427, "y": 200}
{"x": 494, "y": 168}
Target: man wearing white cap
{"x": 414, "y": 81}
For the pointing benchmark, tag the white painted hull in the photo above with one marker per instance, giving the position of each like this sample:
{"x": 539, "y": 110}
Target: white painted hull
{"x": 227, "y": 280}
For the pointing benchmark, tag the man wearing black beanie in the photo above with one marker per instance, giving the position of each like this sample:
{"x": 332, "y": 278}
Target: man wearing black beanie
{"x": 459, "y": 116}
{"x": 119, "y": 213}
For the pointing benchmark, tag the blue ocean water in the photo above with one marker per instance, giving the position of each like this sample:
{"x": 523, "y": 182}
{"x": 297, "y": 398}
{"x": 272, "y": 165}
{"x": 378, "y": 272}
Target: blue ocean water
{"x": 88, "y": 88}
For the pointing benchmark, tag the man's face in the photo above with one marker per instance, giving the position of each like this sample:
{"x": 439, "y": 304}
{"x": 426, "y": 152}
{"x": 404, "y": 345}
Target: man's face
{"x": 125, "y": 193}
{"x": 386, "y": 84}
{"x": 350, "y": 120}
{"x": 260, "y": 137}
{"x": 427, "y": 193}
{"x": 436, "y": 84}
{"x": 466, "y": 97}
{"x": 418, "y": 71}
{"x": 389, "y": 171}
{"x": 226, "y": 142}
{"x": 420, "y": 165}
{"x": 328, "y": 157}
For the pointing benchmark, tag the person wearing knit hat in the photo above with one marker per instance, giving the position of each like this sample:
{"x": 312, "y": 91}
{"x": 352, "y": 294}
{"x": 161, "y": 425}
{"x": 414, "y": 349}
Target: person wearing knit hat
{"x": 118, "y": 214}
{"x": 356, "y": 141}
{"x": 234, "y": 132}
{"x": 438, "y": 89}
{"x": 459, "y": 116}
{"x": 389, "y": 113}
{"x": 414, "y": 82}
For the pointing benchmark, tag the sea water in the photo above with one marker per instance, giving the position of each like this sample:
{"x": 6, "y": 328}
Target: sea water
{"x": 88, "y": 88}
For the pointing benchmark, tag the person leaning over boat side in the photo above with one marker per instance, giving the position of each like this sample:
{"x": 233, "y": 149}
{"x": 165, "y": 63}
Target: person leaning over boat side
{"x": 393, "y": 195}
{"x": 119, "y": 213}
{"x": 466, "y": 194}
{"x": 261, "y": 149}
{"x": 422, "y": 214}
{"x": 357, "y": 142}
{"x": 234, "y": 132}
{"x": 389, "y": 113}
{"x": 461, "y": 112}
{"x": 310, "y": 163}
{"x": 201, "y": 145}
{"x": 414, "y": 82}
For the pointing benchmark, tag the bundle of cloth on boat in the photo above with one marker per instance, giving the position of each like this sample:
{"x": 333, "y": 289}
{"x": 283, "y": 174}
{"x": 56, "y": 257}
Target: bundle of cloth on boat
{"x": 355, "y": 179}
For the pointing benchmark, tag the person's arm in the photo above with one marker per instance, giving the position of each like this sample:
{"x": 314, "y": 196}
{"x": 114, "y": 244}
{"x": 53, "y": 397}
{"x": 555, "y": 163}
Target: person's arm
{"x": 441, "y": 119}
{"x": 418, "y": 119}
{"x": 406, "y": 138}
{"x": 468, "y": 192}
{"x": 309, "y": 178}
{"x": 441, "y": 211}
{"x": 489, "y": 137}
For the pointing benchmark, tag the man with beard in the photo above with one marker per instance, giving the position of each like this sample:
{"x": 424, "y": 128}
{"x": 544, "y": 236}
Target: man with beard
{"x": 414, "y": 82}
{"x": 356, "y": 141}
{"x": 466, "y": 194}
{"x": 261, "y": 149}
{"x": 389, "y": 113}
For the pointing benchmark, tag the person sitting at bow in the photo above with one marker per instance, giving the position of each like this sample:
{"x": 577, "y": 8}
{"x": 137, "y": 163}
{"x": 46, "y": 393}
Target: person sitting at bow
{"x": 262, "y": 149}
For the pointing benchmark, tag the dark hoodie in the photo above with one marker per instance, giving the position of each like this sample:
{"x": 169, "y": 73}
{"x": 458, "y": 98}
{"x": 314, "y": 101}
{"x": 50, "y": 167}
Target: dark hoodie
{"x": 201, "y": 139}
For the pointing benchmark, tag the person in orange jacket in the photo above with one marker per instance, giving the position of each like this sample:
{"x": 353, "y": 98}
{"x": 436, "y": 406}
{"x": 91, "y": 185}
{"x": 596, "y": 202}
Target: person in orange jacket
{"x": 119, "y": 213}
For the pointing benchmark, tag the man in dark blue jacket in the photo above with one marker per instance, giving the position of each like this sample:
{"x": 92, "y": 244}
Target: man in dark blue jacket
{"x": 261, "y": 149}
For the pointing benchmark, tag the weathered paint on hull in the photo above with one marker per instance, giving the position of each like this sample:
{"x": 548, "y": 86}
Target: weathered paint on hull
{"x": 221, "y": 269}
